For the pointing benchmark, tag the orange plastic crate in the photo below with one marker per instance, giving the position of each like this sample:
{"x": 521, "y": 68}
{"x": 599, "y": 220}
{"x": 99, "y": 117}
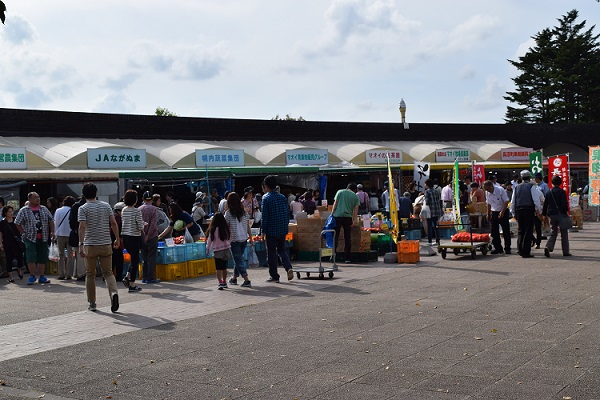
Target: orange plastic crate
{"x": 196, "y": 268}
{"x": 409, "y": 258}
{"x": 408, "y": 246}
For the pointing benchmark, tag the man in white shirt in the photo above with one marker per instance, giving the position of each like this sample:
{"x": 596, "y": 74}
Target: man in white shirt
{"x": 385, "y": 199}
{"x": 497, "y": 214}
{"x": 447, "y": 195}
{"x": 62, "y": 232}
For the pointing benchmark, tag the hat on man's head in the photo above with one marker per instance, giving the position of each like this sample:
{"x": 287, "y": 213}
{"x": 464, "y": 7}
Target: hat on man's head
{"x": 538, "y": 175}
{"x": 119, "y": 206}
{"x": 199, "y": 195}
{"x": 525, "y": 174}
{"x": 493, "y": 177}
{"x": 359, "y": 186}
{"x": 248, "y": 189}
{"x": 147, "y": 195}
{"x": 406, "y": 194}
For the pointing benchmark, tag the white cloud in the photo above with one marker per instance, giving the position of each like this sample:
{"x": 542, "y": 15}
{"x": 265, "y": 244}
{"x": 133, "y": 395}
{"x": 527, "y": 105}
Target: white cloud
{"x": 117, "y": 103}
{"x": 122, "y": 81}
{"x": 467, "y": 72}
{"x": 193, "y": 62}
{"x": 490, "y": 97}
{"x": 18, "y": 31}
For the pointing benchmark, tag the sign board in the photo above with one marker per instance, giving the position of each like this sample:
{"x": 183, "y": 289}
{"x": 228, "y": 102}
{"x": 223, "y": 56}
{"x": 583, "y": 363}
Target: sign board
{"x": 116, "y": 158}
{"x": 594, "y": 173}
{"x": 451, "y": 155}
{"x": 220, "y": 158}
{"x": 380, "y": 156}
{"x": 515, "y": 154}
{"x": 559, "y": 165}
{"x": 421, "y": 174}
{"x": 535, "y": 163}
{"x": 478, "y": 174}
{"x": 13, "y": 158}
{"x": 306, "y": 157}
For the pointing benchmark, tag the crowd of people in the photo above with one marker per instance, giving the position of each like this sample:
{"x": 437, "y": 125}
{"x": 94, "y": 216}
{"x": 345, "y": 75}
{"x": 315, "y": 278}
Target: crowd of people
{"x": 91, "y": 236}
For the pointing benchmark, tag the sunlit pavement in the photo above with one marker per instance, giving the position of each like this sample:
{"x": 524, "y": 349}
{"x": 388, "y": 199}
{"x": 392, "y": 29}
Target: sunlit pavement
{"x": 493, "y": 327}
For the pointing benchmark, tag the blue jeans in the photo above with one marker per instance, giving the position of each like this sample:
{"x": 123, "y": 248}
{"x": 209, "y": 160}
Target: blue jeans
{"x": 237, "y": 249}
{"x": 432, "y": 228}
{"x": 275, "y": 247}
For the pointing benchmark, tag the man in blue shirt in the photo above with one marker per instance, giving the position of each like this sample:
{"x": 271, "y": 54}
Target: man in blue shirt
{"x": 274, "y": 227}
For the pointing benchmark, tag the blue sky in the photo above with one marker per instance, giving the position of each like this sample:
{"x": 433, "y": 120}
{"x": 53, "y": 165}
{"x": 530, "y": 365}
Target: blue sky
{"x": 341, "y": 60}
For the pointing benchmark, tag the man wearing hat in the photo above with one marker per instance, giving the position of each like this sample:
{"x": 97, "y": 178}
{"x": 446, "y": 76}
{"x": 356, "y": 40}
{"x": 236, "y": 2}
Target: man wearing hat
{"x": 494, "y": 179}
{"x": 150, "y": 243}
{"x": 525, "y": 205}
{"x": 198, "y": 212}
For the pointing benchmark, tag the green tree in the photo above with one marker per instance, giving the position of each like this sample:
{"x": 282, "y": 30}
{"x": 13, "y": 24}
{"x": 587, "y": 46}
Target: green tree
{"x": 2, "y": 11}
{"x": 164, "y": 112}
{"x": 559, "y": 79}
{"x": 287, "y": 117}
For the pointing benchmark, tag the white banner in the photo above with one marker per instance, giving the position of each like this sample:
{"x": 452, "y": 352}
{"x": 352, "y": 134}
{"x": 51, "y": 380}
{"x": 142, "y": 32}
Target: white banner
{"x": 116, "y": 158}
{"x": 451, "y": 155}
{"x": 220, "y": 158}
{"x": 421, "y": 174}
{"x": 307, "y": 157}
{"x": 13, "y": 158}
{"x": 380, "y": 156}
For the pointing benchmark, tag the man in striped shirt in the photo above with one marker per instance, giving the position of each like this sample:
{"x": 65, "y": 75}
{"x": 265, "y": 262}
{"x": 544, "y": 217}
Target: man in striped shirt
{"x": 274, "y": 226}
{"x": 96, "y": 218}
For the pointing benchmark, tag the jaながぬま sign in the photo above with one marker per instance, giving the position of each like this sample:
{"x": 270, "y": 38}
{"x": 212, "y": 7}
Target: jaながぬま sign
{"x": 116, "y": 158}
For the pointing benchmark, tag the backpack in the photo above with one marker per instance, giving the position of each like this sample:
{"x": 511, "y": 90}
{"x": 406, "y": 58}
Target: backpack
{"x": 198, "y": 213}
{"x": 363, "y": 207}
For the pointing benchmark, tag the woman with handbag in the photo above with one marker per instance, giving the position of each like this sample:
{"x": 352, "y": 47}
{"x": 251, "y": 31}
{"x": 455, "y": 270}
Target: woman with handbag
{"x": 10, "y": 241}
{"x": 556, "y": 209}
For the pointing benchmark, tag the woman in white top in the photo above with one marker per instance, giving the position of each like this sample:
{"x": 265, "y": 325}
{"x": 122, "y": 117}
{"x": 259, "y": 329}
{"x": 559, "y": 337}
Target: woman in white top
{"x": 296, "y": 206}
{"x": 132, "y": 230}
{"x": 239, "y": 228}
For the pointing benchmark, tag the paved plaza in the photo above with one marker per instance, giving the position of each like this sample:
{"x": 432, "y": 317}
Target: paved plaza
{"x": 496, "y": 327}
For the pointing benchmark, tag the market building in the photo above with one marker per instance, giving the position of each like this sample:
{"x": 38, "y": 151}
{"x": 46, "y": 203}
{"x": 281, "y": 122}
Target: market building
{"x": 53, "y": 152}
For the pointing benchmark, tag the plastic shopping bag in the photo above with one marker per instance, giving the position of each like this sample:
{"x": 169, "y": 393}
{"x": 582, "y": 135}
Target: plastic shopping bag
{"x": 329, "y": 236}
{"x": 187, "y": 238}
{"x": 252, "y": 258}
{"x": 53, "y": 252}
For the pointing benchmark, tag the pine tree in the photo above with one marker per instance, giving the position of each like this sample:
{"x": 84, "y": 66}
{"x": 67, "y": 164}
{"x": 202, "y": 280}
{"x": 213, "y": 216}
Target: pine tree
{"x": 559, "y": 79}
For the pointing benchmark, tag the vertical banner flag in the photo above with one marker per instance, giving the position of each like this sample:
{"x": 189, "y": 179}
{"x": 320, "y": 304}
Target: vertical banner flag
{"x": 456, "y": 205}
{"x": 535, "y": 163}
{"x": 559, "y": 165}
{"x": 478, "y": 174}
{"x": 393, "y": 207}
{"x": 421, "y": 174}
{"x": 594, "y": 184}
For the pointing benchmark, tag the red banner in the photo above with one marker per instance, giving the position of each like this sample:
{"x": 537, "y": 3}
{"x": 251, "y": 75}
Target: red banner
{"x": 478, "y": 174}
{"x": 559, "y": 165}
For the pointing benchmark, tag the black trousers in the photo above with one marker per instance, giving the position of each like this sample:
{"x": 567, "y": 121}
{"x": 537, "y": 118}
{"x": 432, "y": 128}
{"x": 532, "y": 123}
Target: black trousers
{"x": 346, "y": 224}
{"x": 525, "y": 218}
{"x": 537, "y": 223}
{"x": 496, "y": 223}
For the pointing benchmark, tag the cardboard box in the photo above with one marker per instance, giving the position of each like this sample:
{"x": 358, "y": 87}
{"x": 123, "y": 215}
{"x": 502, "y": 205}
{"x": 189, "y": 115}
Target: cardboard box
{"x": 310, "y": 225}
{"x": 308, "y": 241}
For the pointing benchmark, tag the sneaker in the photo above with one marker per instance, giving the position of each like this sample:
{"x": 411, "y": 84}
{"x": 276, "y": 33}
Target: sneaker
{"x": 273, "y": 280}
{"x": 347, "y": 262}
{"x": 61, "y": 278}
{"x": 246, "y": 284}
{"x": 31, "y": 280}
{"x": 152, "y": 281}
{"x": 233, "y": 281}
{"x": 134, "y": 289}
{"x": 508, "y": 252}
{"x": 222, "y": 286}
{"x": 68, "y": 278}
{"x": 43, "y": 279}
{"x": 496, "y": 251}
{"x": 114, "y": 303}
{"x": 81, "y": 279}
{"x": 126, "y": 282}
{"x": 290, "y": 273}
{"x": 144, "y": 280}
{"x": 546, "y": 252}
{"x": 92, "y": 307}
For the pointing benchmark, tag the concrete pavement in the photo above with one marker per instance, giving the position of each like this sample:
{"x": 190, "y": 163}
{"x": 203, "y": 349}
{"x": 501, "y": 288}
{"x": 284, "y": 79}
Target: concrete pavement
{"x": 497, "y": 327}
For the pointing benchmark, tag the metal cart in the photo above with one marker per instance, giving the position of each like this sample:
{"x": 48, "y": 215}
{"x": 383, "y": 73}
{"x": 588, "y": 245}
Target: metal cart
{"x": 323, "y": 252}
{"x": 464, "y": 247}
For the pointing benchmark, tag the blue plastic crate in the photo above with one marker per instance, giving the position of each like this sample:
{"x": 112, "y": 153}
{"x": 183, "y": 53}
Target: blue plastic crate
{"x": 195, "y": 251}
{"x": 446, "y": 233}
{"x": 412, "y": 235}
{"x": 171, "y": 255}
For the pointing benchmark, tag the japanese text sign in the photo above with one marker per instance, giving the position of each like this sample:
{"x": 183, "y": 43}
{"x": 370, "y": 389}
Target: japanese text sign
{"x": 451, "y": 155}
{"x": 421, "y": 174}
{"x": 13, "y": 158}
{"x": 307, "y": 157}
{"x": 535, "y": 163}
{"x": 380, "y": 156}
{"x": 515, "y": 154}
{"x": 116, "y": 158}
{"x": 478, "y": 174}
{"x": 559, "y": 165}
{"x": 220, "y": 158}
{"x": 594, "y": 173}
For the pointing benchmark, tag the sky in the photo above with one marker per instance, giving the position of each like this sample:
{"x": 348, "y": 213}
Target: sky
{"x": 340, "y": 60}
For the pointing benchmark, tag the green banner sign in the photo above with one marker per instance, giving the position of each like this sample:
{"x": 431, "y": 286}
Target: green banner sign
{"x": 535, "y": 163}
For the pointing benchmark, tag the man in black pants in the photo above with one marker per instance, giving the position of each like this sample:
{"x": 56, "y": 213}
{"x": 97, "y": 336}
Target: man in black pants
{"x": 525, "y": 204}
{"x": 497, "y": 214}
